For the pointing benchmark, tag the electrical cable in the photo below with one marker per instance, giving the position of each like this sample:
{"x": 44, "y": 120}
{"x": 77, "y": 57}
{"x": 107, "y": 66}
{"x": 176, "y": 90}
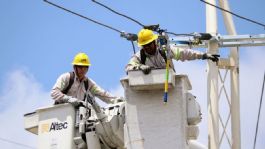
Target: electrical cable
{"x": 151, "y": 27}
{"x": 180, "y": 34}
{"x": 128, "y": 36}
{"x": 133, "y": 47}
{"x": 84, "y": 17}
{"x": 117, "y": 12}
{"x": 16, "y": 143}
{"x": 260, "y": 104}
{"x": 244, "y": 18}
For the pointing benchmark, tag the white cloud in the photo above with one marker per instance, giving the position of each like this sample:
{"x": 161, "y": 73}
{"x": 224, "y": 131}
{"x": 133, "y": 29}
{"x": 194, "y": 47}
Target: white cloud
{"x": 20, "y": 94}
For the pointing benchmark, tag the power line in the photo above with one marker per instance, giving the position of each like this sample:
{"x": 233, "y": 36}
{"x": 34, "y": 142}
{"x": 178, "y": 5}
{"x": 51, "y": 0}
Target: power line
{"x": 257, "y": 125}
{"x": 150, "y": 27}
{"x": 117, "y": 12}
{"x": 16, "y": 143}
{"x": 84, "y": 17}
{"x": 241, "y": 17}
{"x": 128, "y": 36}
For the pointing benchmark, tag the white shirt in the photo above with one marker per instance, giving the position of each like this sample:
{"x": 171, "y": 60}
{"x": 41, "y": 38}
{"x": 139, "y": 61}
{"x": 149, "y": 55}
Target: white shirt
{"x": 78, "y": 90}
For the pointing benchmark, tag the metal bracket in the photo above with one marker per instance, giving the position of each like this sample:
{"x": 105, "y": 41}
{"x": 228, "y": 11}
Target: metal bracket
{"x": 223, "y": 41}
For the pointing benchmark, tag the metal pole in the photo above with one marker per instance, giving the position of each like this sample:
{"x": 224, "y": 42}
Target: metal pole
{"x": 234, "y": 74}
{"x": 212, "y": 79}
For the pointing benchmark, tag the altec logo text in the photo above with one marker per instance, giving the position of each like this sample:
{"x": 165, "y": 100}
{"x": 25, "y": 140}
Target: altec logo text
{"x": 54, "y": 126}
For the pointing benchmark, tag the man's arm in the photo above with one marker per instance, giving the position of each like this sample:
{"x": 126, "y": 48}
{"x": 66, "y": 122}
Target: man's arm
{"x": 189, "y": 54}
{"x": 185, "y": 54}
{"x": 57, "y": 94}
{"x": 135, "y": 64}
{"x": 61, "y": 83}
{"x": 105, "y": 96}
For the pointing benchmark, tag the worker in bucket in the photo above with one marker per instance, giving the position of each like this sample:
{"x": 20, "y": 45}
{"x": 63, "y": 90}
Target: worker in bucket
{"x": 73, "y": 87}
{"x": 151, "y": 57}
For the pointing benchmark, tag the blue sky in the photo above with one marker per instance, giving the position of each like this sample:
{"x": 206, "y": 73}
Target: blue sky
{"x": 39, "y": 41}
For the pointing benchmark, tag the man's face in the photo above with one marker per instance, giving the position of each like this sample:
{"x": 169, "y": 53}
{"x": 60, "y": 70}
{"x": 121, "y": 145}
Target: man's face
{"x": 150, "y": 48}
{"x": 81, "y": 71}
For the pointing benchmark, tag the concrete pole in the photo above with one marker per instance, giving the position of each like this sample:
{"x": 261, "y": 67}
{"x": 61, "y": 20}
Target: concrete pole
{"x": 212, "y": 79}
{"x": 234, "y": 72}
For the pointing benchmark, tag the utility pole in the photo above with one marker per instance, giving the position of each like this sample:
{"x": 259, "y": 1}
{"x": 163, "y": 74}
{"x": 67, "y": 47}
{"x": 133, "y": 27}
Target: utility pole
{"x": 215, "y": 90}
{"x": 221, "y": 128}
{"x": 234, "y": 80}
{"x": 212, "y": 79}
{"x": 216, "y": 135}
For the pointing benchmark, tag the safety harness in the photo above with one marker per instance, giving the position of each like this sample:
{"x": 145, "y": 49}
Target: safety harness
{"x": 71, "y": 81}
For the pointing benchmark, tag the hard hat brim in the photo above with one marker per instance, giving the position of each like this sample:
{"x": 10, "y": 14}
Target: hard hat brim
{"x": 81, "y": 64}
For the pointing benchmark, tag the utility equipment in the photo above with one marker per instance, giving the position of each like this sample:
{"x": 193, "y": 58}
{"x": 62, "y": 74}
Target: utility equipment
{"x": 142, "y": 122}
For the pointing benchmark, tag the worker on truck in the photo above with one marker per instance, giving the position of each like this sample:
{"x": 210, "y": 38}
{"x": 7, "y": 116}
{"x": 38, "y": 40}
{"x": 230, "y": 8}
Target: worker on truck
{"x": 73, "y": 87}
{"x": 151, "y": 57}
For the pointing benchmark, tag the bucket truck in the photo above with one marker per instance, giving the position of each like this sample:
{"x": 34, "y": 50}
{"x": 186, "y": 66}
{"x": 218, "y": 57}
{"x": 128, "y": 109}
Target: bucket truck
{"x": 143, "y": 121}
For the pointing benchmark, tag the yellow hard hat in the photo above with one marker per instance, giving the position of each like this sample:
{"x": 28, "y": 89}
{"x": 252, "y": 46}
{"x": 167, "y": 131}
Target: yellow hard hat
{"x": 81, "y": 59}
{"x": 146, "y": 36}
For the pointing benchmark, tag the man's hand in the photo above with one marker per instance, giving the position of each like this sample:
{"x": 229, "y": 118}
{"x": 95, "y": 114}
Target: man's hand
{"x": 213, "y": 57}
{"x": 75, "y": 101}
{"x": 146, "y": 69}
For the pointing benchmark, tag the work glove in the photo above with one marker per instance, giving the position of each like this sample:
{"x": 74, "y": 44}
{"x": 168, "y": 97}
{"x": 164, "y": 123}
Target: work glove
{"x": 213, "y": 57}
{"x": 145, "y": 69}
{"x": 75, "y": 102}
{"x": 119, "y": 99}
{"x": 64, "y": 99}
